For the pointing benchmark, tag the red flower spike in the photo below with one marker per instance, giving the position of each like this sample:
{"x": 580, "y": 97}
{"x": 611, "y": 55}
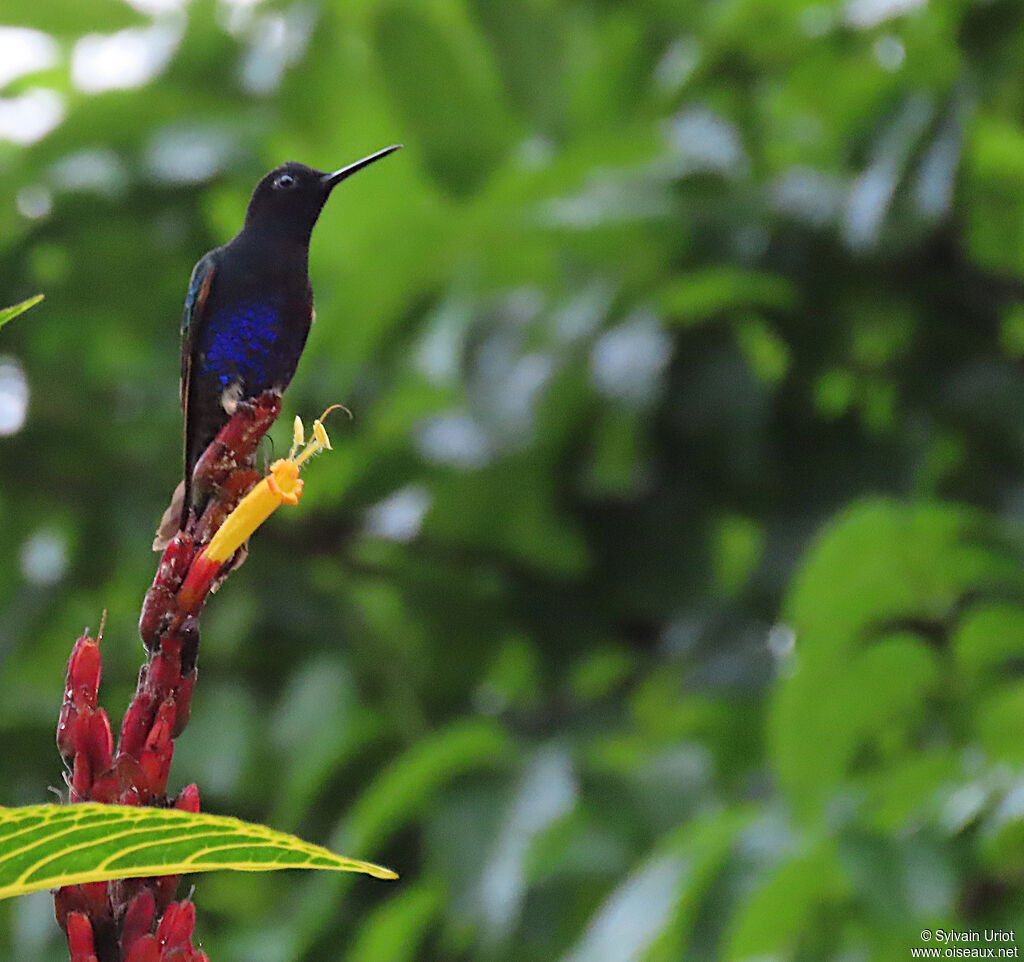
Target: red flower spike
{"x": 170, "y": 648}
{"x": 104, "y": 788}
{"x": 205, "y": 577}
{"x": 81, "y": 779}
{"x": 197, "y": 585}
{"x": 98, "y": 741}
{"x": 188, "y": 632}
{"x": 80, "y": 693}
{"x": 146, "y": 949}
{"x": 159, "y": 606}
{"x": 123, "y": 891}
{"x": 96, "y": 901}
{"x": 65, "y": 901}
{"x": 164, "y": 888}
{"x": 188, "y": 800}
{"x": 183, "y": 701}
{"x": 160, "y": 734}
{"x": 175, "y": 928}
{"x": 175, "y": 561}
{"x": 165, "y": 669}
{"x": 79, "y": 930}
{"x": 232, "y": 490}
{"x": 156, "y": 765}
{"x": 155, "y": 757}
{"x": 67, "y": 731}
{"x": 137, "y": 720}
{"x": 235, "y": 444}
{"x": 85, "y": 669}
{"x": 236, "y": 487}
{"x": 125, "y": 911}
{"x": 157, "y": 609}
{"x": 130, "y": 780}
{"x": 138, "y": 919}
{"x": 89, "y": 900}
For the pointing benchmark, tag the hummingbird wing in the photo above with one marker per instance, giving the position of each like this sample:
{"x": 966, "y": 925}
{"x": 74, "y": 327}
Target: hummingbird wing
{"x": 192, "y": 320}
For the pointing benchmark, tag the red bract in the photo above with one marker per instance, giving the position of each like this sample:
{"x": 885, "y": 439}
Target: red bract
{"x": 80, "y": 942}
{"x": 126, "y": 911}
{"x": 137, "y": 923}
{"x": 80, "y": 693}
{"x": 175, "y": 928}
{"x": 188, "y": 800}
{"x": 146, "y": 949}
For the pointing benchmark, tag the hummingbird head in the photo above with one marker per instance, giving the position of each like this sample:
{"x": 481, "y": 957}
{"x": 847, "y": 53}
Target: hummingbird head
{"x": 291, "y": 196}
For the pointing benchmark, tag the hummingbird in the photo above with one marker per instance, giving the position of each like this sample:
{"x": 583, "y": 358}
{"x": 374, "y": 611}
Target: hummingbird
{"x": 249, "y": 306}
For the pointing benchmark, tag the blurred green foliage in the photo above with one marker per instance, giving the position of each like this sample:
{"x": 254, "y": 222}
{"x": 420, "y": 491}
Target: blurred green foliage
{"x": 663, "y": 599}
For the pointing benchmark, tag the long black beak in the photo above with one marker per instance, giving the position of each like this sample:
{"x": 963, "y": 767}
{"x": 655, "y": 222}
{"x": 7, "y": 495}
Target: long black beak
{"x": 333, "y": 179}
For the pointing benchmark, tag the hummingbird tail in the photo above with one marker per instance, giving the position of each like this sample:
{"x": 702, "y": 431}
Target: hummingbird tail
{"x": 170, "y": 523}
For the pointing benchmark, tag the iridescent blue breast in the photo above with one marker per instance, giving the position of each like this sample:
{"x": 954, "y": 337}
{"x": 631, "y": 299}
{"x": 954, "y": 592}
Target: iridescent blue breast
{"x": 238, "y": 344}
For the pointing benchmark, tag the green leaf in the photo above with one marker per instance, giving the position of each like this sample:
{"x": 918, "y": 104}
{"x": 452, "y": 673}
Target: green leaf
{"x": 9, "y": 313}
{"x": 766, "y": 353}
{"x": 44, "y": 846}
{"x": 455, "y": 110}
{"x": 1000, "y": 724}
{"x": 409, "y": 785}
{"x": 993, "y": 171}
{"x": 1002, "y": 842}
{"x": 772, "y": 919}
{"x": 737, "y": 550}
{"x": 878, "y": 568}
{"x": 705, "y": 844}
{"x": 66, "y": 18}
{"x": 664, "y": 892}
{"x": 987, "y": 642}
{"x": 703, "y": 294}
{"x": 395, "y": 930}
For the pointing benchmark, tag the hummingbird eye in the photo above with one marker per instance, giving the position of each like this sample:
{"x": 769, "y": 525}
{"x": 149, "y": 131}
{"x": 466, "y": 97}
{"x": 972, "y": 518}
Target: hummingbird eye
{"x": 284, "y": 181}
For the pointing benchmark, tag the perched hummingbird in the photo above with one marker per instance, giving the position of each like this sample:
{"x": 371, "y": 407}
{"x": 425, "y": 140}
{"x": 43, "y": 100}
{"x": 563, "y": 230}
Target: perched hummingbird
{"x": 250, "y": 304}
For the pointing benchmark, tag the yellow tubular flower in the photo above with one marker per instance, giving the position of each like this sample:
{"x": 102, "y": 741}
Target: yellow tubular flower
{"x": 282, "y": 486}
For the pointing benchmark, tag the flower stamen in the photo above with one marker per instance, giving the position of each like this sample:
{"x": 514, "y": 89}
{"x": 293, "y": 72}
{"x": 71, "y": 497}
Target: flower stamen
{"x": 282, "y": 486}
